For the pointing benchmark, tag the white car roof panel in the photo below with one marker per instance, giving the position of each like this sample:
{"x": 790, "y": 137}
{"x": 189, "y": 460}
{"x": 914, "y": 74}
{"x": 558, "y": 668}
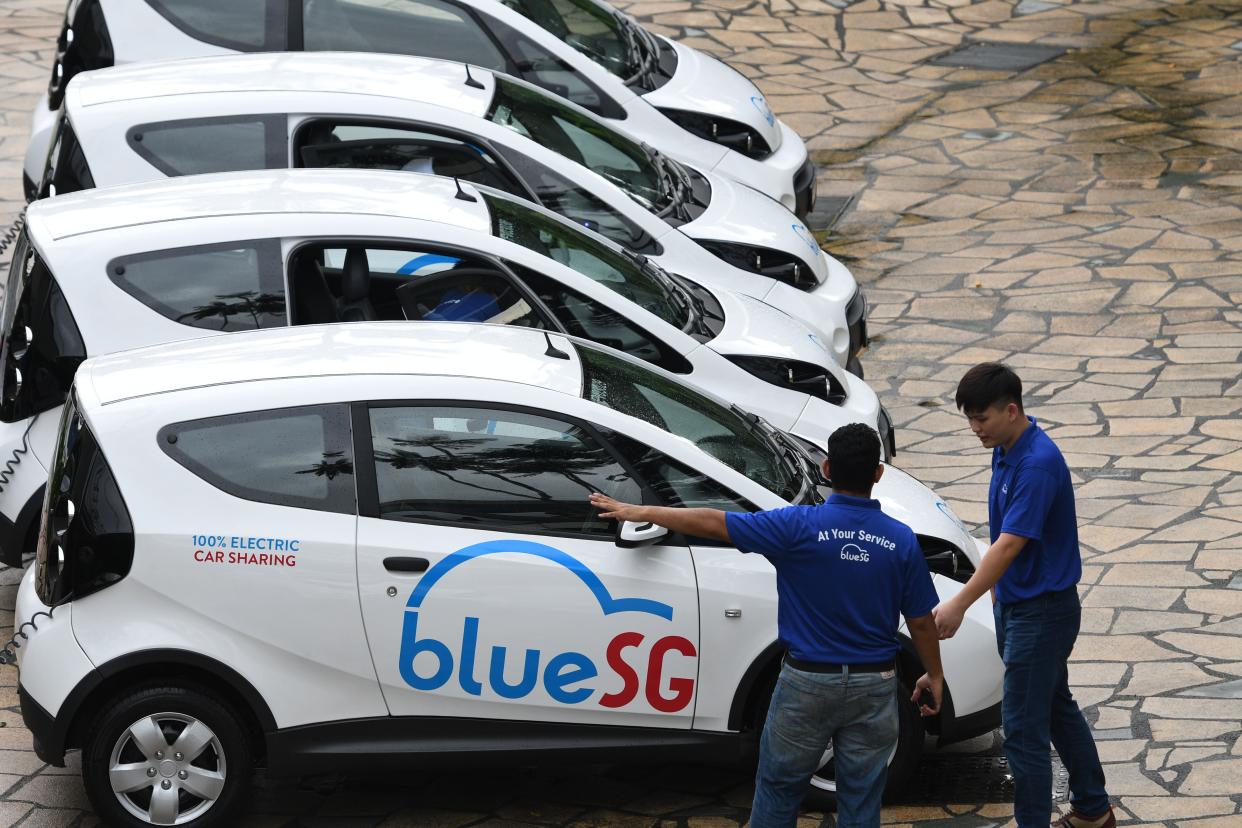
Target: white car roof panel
{"x": 351, "y": 192}
{"x": 401, "y": 77}
{"x": 490, "y": 352}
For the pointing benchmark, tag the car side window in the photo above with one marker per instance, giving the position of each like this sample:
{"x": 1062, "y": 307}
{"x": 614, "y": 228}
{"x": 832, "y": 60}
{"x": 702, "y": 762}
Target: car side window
{"x": 237, "y": 286}
{"x": 675, "y": 483}
{"x": 469, "y": 295}
{"x": 42, "y": 346}
{"x": 66, "y": 170}
{"x": 410, "y": 149}
{"x": 208, "y": 145}
{"x": 425, "y": 28}
{"x": 300, "y": 457}
{"x": 244, "y": 25}
{"x": 344, "y": 281}
{"x": 582, "y": 316}
{"x": 492, "y": 468}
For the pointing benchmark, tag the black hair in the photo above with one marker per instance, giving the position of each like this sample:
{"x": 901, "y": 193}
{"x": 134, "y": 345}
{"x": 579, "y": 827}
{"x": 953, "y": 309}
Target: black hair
{"x": 853, "y": 455}
{"x": 986, "y": 385}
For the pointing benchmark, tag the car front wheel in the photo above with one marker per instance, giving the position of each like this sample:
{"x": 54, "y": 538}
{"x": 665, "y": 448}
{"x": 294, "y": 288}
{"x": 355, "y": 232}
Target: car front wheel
{"x": 167, "y": 755}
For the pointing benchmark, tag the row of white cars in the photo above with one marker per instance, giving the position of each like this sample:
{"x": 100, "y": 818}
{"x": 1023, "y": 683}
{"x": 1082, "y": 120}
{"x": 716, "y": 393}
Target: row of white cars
{"x": 291, "y": 338}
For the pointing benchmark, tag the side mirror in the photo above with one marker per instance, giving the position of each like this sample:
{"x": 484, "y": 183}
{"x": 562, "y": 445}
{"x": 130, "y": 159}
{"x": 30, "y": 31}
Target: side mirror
{"x": 631, "y": 534}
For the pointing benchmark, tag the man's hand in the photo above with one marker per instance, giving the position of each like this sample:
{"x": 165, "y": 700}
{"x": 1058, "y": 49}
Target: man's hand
{"x": 615, "y": 509}
{"x": 948, "y": 616}
{"x": 935, "y": 686}
{"x": 697, "y": 523}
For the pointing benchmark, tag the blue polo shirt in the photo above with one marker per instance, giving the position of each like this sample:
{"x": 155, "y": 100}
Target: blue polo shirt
{"x": 1031, "y": 496}
{"x": 844, "y": 571}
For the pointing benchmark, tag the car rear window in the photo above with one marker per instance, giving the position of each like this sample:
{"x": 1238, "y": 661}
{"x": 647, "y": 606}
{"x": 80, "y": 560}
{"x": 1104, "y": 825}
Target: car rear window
{"x": 300, "y": 457}
{"x": 244, "y": 25}
{"x": 425, "y": 28}
{"x": 236, "y": 286}
{"x": 209, "y": 145}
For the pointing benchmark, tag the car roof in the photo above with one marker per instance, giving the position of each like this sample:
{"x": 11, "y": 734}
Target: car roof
{"x": 489, "y": 352}
{"x": 400, "y": 77}
{"x": 405, "y": 195}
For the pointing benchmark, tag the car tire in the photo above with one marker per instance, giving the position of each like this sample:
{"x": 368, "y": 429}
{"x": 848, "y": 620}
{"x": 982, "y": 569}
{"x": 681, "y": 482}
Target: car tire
{"x": 135, "y": 776}
{"x": 821, "y": 793}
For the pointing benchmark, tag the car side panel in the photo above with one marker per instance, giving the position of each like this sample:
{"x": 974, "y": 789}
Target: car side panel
{"x": 292, "y": 628}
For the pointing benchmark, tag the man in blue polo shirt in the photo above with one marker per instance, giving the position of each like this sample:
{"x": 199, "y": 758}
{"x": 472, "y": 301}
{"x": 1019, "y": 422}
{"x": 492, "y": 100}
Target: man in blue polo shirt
{"x": 1032, "y": 569}
{"x": 845, "y": 571}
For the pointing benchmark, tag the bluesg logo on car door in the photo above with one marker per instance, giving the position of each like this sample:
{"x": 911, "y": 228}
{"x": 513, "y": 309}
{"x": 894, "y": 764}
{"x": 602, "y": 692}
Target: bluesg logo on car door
{"x": 619, "y": 669}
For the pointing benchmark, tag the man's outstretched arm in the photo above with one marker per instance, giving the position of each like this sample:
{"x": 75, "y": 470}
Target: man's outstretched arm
{"x": 698, "y": 523}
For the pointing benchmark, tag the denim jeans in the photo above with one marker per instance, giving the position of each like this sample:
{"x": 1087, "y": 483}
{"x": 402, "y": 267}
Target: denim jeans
{"x": 858, "y": 712}
{"x": 1035, "y": 638}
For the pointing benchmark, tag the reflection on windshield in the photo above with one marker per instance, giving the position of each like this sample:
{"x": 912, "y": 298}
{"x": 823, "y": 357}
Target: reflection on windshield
{"x": 633, "y": 390}
{"x": 603, "y": 36}
{"x": 564, "y": 243}
{"x": 582, "y": 139}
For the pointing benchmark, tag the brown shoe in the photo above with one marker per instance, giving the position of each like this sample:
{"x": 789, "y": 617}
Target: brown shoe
{"x": 1076, "y": 820}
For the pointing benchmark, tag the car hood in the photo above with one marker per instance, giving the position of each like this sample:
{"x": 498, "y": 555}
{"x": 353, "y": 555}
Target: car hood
{"x": 704, "y": 84}
{"x": 737, "y": 213}
{"x": 917, "y": 506}
{"x": 753, "y": 328}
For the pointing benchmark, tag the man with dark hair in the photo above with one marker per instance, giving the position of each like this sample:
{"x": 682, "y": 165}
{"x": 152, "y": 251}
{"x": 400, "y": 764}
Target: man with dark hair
{"x": 1032, "y": 569}
{"x": 845, "y": 571}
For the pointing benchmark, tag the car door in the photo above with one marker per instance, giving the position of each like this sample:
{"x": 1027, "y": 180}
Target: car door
{"x": 737, "y": 592}
{"x": 490, "y": 588}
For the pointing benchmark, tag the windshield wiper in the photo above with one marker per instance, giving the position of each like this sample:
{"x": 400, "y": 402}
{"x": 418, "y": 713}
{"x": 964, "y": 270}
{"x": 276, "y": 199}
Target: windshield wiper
{"x": 772, "y": 436}
{"x": 640, "y": 49}
{"x": 682, "y": 297}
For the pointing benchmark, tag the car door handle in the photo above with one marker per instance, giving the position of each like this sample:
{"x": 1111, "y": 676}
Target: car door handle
{"x": 406, "y": 564}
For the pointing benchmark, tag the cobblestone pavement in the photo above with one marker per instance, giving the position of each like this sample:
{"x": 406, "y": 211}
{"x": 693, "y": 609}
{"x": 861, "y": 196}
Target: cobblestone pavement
{"x": 1080, "y": 218}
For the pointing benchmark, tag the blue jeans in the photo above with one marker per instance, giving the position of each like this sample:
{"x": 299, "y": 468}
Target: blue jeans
{"x": 1035, "y": 638}
{"x": 858, "y": 712}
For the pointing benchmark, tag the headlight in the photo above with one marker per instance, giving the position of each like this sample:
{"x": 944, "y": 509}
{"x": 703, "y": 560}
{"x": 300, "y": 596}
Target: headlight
{"x": 774, "y": 264}
{"x": 946, "y": 559}
{"x": 794, "y": 375}
{"x": 721, "y": 131}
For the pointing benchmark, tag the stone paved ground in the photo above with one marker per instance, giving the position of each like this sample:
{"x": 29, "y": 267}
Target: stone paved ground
{"x": 1081, "y": 219}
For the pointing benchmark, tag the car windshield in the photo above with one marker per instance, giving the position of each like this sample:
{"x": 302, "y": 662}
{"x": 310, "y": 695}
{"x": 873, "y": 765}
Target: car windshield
{"x": 644, "y": 285}
{"x": 721, "y": 432}
{"x": 602, "y": 35}
{"x": 584, "y": 140}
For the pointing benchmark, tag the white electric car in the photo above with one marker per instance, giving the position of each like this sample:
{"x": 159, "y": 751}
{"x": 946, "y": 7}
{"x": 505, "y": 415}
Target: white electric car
{"x": 673, "y": 97}
{"x": 147, "y": 121}
{"x": 371, "y": 547}
{"x": 119, "y": 268}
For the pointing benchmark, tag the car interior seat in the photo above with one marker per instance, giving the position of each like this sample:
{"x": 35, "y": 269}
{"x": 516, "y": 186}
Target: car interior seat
{"x": 313, "y": 299}
{"x": 356, "y": 287}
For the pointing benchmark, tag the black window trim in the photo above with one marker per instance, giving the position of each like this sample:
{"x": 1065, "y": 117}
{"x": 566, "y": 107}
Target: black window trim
{"x": 270, "y": 261}
{"x": 294, "y": 145}
{"x": 368, "y": 485}
{"x": 275, "y": 28}
{"x": 335, "y": 414}
{"x": 275, "y": 139}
